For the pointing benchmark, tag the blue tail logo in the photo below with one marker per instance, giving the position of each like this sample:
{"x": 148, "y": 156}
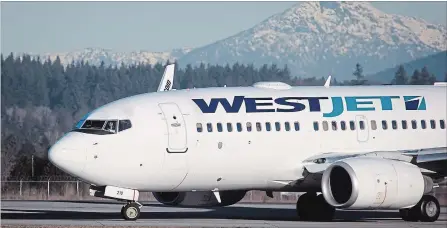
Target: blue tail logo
{"x": 415, "y": 103}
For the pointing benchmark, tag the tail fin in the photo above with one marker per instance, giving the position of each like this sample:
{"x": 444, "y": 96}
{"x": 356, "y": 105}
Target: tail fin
{"x": 168, "y": 79}
{"x": 328, "y": 82}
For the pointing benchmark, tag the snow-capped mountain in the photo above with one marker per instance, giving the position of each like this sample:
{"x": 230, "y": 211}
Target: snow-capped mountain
{"x": 96, "y": 55}
{"x": 312, "y": 38}
{"x": 321, "y": 38}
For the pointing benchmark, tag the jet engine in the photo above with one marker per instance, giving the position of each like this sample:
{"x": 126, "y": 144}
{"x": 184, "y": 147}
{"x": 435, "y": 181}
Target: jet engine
{"x": 374, "y": 183}
{"x": 199, "y": 198}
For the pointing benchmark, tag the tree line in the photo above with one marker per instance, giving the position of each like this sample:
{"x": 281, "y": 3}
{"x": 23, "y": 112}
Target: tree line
{"x": 43, "y": 99}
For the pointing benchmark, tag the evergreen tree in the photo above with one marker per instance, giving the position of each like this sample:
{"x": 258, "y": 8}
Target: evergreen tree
{"x": 426, "y": 78}
{"x": 400, "y": 77}
{"x": 415, "y": 78}
{"x": 359, "y": 77}
{"x": 43, "y": 100}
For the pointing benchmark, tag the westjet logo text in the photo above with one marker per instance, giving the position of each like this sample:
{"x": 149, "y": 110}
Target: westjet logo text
{"x": 313, "y": 104}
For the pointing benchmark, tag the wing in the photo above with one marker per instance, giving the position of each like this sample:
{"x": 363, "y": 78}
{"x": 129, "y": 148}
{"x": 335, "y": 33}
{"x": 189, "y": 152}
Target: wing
{"x": 431, "y": 161}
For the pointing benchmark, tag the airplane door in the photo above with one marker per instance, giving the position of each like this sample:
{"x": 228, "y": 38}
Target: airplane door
{"x": 362, "y": 128}
{"x": 175, "y": 161}
{"x": 176, "y": 128}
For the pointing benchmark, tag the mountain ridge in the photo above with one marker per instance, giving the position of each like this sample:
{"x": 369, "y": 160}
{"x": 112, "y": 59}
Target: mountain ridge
{"x": 436, "y": 65}
{"x": 305, "y": 37}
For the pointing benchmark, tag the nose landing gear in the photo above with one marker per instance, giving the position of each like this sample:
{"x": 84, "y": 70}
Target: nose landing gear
{"x": 131, "y": 211}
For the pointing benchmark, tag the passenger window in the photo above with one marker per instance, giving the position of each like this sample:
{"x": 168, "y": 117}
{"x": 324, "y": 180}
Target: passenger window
{"x": 325, "y": 126}
{"x": 362, "y": 125}
{"x": 219, "y": 127}
{"x": 404, "y": 124}
{"x": 414, "y": 125}
{"x": 297, "y": 126}
{"x": 433, "y": 124}
{"x": 394, "y": 124}
{"x": 124, "y": 125}
{"x": 268, "y": 126}
{"x": 423, "y": 124}
{"x": 229, "y": 127}
{"x": 384, "y": 125}
{"x": 199, "y": 127}
{"x": 442, "y": 124}
{"x": 316, "y": 127}
{"x": 277, "y": 126}
{"x": 352, "y": 125}
{"x": 258, "y": 126}
{"x": 248, "y": 126}
{"x": 239, "y": 127}
{"x": 287, "y": 126}
{"x": 209, "y": 126}
{"x": 373, "y": 125}
{"x": 343, "y": 125}
{"x": 334, "y": 125}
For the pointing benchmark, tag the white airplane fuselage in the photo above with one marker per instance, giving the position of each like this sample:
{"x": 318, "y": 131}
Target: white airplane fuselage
{"x": 163, "y": 150}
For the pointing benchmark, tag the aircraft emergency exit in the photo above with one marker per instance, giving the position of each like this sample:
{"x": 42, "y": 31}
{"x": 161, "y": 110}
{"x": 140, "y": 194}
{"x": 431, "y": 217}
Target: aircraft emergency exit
{"x": 346, "y": 147}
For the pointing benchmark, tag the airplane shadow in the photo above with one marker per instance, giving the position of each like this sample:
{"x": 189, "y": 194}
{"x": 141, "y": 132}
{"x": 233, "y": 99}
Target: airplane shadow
{"x": 234, "y": 212}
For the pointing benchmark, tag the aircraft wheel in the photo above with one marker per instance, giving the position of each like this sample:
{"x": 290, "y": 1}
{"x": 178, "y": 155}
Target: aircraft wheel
{"x": 324, "y": 211}
{"x": 311, "y": 207}
{"x": 410, "y": 214}
{"x": 131, "y": 211}
{"x": 305, "y": 206}
{"x": 430, "y": 209}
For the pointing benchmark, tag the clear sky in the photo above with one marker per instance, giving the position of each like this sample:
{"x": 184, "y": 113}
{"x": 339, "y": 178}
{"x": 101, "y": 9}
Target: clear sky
{"x": 41, "y": 27}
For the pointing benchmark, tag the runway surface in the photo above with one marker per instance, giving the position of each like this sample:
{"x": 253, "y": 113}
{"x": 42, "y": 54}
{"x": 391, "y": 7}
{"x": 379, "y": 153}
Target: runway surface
{"x": 106, "y": 213}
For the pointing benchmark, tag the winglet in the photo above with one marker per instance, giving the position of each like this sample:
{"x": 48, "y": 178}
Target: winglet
{"x": 167, "y": 79}
{"x": 328, "y": 82}
{"x": 217, "y": 195}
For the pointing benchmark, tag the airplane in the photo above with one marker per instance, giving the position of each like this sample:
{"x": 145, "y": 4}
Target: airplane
{"x": 343, "y": 147}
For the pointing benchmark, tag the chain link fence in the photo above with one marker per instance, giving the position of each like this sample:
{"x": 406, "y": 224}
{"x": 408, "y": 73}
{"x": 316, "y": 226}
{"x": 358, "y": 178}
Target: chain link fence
{"x": 58, "y": 189}
{"x": 77, "y": 190}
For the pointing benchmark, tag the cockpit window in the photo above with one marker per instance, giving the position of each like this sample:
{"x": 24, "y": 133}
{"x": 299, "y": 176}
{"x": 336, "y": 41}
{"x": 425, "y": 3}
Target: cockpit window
{"x": 124, "y": 125}
{"x": 93, "y": 124}
{"x": 103, "y": 127}
{"x": 110, "y": 126}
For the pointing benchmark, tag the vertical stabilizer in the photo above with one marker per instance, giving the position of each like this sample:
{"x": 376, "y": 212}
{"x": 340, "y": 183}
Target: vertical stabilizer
{"x": 168, "y": 79}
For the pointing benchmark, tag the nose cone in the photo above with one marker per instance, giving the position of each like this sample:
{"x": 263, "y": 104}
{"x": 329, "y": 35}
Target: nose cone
{"x": 68, "y": 154}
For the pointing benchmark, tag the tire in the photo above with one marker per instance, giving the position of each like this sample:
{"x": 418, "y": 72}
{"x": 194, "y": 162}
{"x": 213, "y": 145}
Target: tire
{"x": 410, "y": 214}
{"x": 305, "y": 206}
{"x": 430, "y": 209}
{"x": 325, "y": 212}
{"x": 302, "y": 206}
{"x": 131, "y": 212}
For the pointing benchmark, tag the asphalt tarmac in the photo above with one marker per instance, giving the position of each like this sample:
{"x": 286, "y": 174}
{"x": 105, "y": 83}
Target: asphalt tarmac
{"x": 107, "y": 213}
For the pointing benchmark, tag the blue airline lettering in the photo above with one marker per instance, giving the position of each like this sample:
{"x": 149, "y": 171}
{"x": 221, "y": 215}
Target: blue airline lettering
{"x": 293, "y": 104}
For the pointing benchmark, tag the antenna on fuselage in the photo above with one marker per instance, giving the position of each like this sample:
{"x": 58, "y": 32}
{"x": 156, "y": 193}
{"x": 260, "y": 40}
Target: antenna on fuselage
{"x": 168, "y": 79}
{"x": 328, "y": 82}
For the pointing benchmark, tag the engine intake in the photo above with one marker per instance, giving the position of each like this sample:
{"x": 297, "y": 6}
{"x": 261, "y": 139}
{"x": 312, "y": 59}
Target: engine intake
{"x": 373, "y": 183}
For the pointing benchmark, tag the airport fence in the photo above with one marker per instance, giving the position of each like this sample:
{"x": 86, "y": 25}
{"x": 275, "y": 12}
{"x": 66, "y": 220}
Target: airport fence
{"x": 77, "y": 190}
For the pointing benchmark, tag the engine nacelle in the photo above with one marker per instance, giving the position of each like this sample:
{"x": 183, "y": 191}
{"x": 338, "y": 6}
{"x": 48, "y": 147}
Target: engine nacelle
{"x": 199, "y": 199}
{"x": 373, "y": 183}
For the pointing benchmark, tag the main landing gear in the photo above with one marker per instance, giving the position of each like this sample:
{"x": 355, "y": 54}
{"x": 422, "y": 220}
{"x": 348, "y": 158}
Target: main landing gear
{"x": 427, "y": 210}
{"x": 313, "y": 207}
{"x": 131, "y": 211}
